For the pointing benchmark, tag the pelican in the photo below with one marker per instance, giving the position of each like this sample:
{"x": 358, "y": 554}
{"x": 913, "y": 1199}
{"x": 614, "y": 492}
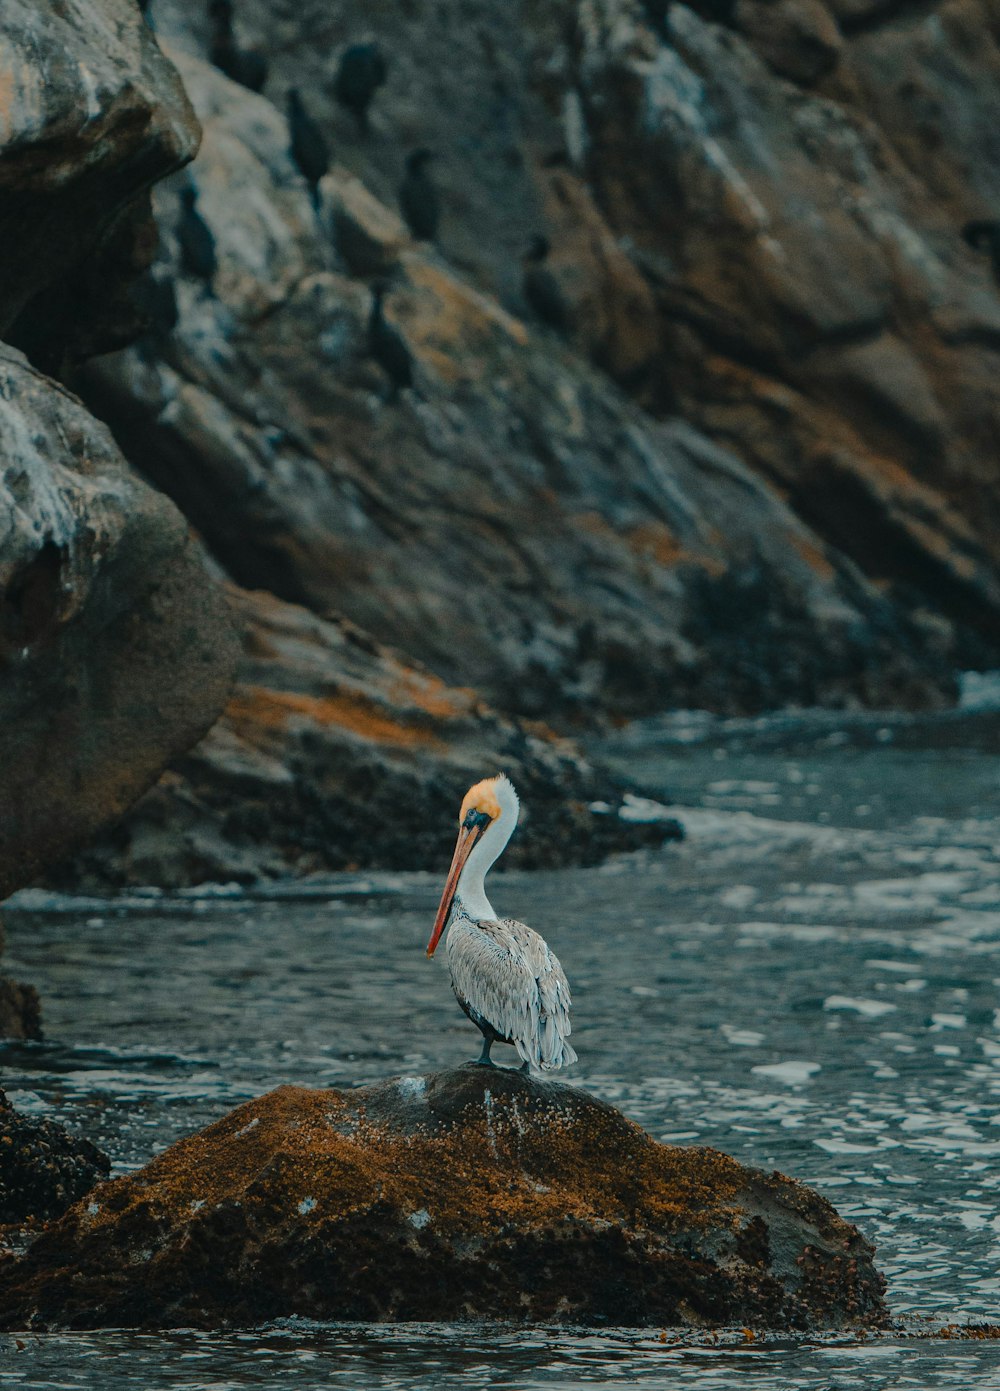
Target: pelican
{"x": 503, "y": 974}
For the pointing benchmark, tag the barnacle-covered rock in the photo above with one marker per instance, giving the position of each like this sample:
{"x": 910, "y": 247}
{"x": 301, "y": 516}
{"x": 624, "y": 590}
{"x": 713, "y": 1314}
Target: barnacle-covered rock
{"x": 464, "y": 1194}
{"x": 43, "y": 1168}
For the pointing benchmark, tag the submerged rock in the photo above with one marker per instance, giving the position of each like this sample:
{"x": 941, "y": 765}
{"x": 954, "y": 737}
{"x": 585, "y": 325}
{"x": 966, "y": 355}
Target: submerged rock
{"x": 465, "y": 1194}
{"x": 20, "y": 1010}
{"x": 43, "y": 1168}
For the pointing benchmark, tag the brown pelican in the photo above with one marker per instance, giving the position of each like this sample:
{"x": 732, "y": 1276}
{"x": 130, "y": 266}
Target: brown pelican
{"x": 505, "y": 977}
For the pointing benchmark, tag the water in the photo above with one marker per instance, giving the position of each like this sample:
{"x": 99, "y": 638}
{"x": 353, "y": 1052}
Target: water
{"x": 808, "y": 982}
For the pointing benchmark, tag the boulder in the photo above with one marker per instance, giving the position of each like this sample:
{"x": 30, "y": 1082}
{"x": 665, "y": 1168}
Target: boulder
{"x": 515, "y": 523}
{"x": 474, "y": 1193}
{"x": 20, "y": 1007}
{"x": 43, "y": 1168}
{"x": 91, "y": 115}
{"x": 116, "y": 650}
{"x": 20, "y": 1010}
{"x": 334, "y": 752}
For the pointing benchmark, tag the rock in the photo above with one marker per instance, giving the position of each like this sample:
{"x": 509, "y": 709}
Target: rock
{"x": 369, "y": 236}
{"x": 613, "y": 309}
{"x": 20, "y": 1010}
{"x": 92, "y": 114}
{"x": 571, "y": 551}
{"x": 43, "y": 1168}
{"x": 814, "y": 291}
{"x": 115, "y": 646}
{"x": 115, "y": 649}
{"x": 334, "y": 753}
{"x": 798, "y": 39}
{"x": 467, "y": 1194}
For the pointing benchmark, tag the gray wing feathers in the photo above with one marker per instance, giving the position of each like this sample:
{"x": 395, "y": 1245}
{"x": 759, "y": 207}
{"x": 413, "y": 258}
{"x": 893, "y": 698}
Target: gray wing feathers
{"x": 509, "y": 977}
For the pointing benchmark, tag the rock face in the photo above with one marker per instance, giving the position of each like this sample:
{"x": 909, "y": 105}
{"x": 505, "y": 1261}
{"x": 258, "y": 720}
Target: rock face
{"x": 116, "y": 649}
{"x": 467, "y": 1194}
{"x": 333, "y": 753}
{"x": 514, "y": 522}
{"x": 755, "y": 212}
{"x": 832, "y": 323}
{"x": 43, "y": 1169}
{"x": 91, "y": 114}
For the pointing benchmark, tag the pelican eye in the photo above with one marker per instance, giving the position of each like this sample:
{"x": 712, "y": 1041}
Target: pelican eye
{"x": 476, "y": 820}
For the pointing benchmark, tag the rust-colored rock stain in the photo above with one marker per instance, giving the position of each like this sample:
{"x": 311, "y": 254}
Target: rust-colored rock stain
{"x": 255, "y": 707}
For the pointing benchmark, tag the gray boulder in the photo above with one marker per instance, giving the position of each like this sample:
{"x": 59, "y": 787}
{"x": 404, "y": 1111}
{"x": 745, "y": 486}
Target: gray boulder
{"x": 116, "y": 647}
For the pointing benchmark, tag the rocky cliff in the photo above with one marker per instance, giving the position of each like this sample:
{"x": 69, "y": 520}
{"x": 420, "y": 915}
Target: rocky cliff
{"x": 754, "y": 464}
{"x": 334, "y": 752}
{"x": 115, "y": 648}
{"x": 760, "y": 465}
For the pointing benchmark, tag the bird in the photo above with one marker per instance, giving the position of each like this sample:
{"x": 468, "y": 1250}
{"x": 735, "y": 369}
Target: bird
{"x": 308, "y": 145}
{"x": 984, "y": 235}
{"x": 196, "y": 241}
{"x": 386, "y": 345}
{"x": 247, "y": 66}
{"x": 360, "y": 73}
{"x": 418, "y": 198}
{"x": 542, "y": 289}
{"x": 505, "y": 977}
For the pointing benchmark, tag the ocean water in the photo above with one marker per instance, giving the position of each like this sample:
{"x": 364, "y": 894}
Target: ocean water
{"x": 809, "y": 982}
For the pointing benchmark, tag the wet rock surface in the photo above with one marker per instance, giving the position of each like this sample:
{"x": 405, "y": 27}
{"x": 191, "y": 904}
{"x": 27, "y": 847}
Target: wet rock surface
{"x": 464, "y": 1194}
{"x": 334, "y": 752}
{"x": 43, "y": 1168}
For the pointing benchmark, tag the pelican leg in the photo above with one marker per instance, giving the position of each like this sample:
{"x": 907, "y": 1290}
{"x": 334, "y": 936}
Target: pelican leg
{"x": 484, "y": 1059}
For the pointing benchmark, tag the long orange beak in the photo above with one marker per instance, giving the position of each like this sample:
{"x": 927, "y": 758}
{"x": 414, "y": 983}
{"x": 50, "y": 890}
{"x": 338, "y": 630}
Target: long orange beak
{"x": 467, "y": 837}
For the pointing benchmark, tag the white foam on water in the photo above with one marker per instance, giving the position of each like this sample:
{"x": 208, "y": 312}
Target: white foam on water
{"x": 794, "y": 1072}
{"x": 871, "y": 1009}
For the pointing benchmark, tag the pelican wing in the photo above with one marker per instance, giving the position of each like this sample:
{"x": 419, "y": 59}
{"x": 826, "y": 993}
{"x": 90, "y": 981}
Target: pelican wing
{"x": 507, "y": 974}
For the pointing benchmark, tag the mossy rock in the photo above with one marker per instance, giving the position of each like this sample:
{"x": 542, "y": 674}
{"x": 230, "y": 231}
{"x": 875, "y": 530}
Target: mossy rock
{"x": 466, "y": 1194}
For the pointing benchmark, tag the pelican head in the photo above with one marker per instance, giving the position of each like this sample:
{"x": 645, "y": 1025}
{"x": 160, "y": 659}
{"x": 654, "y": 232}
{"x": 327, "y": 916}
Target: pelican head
{"x": 487, "y": 804}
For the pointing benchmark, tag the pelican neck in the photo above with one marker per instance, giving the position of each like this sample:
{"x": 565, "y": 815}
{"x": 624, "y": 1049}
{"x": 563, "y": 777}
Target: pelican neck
{"x": 471, "y": 891}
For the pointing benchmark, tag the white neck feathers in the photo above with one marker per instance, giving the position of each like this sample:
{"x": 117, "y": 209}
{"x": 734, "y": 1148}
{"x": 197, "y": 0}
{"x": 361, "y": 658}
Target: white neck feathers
{"x": 471, "y": 891}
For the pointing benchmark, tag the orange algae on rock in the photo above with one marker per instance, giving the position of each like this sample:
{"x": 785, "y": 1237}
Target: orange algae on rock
{"x": 258, "y": 707}
{"x": 464, "y": 1194}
